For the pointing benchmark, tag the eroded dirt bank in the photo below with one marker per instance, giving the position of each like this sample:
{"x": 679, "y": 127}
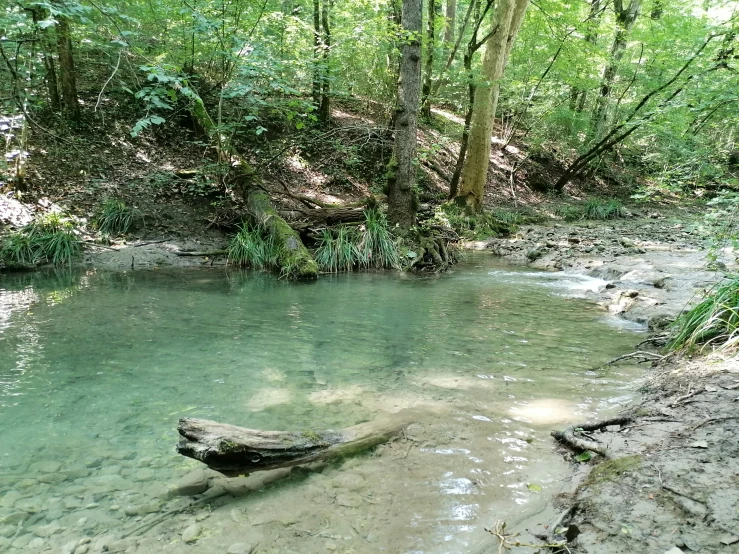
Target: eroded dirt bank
{"x": 671, "y": 483}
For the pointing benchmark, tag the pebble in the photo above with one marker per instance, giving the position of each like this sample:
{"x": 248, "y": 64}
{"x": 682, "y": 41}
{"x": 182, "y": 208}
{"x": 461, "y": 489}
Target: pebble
{"x": 239, "y": 548}
{"x": 10, "y": 498}
{"x": 350, "y": 481}
{"x": 84, "y": 549}
{"x": 349, "y": 500}
{"x": 48, "y": 530}
{"x": 22, "y": 541}
{"x": 45, "y": 467}
{"x": 143, "y": 474}
{"x": 191, "y": 534}
{"x": 195, "y": 482}
{"x": 36, "y": 544}
{"x": 4, "y": 543}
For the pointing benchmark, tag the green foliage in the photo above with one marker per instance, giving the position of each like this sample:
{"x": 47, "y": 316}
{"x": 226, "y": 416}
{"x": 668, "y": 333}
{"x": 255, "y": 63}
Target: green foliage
{"x": 604, "y": 209}
{"x": 49, "y": 238}
{"x": 713, "y": 322}
{"x": 115, "y": 217}
{"x": 253, "y": 247}
{"x": 719, "y": 224}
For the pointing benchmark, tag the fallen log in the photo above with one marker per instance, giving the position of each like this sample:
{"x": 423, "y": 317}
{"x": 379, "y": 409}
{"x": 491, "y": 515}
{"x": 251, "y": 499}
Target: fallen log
{"x": 235, "y": 451}
{"x": 573, "y": 438}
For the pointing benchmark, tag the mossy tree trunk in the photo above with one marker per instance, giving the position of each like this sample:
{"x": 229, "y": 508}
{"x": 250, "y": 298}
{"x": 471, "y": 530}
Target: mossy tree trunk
{"x": 428, "y": 70}
{"x": 507, "y": 20}
{"x": 402, "y": 201}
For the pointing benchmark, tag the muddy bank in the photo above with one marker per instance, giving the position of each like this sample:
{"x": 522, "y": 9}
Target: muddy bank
{"x": 157, "y": 252}
{"x": 671, "y": 483}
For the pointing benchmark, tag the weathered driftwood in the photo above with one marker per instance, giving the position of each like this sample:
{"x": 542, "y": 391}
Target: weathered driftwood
{"x": 571, "y": 438}
{"x": 234, "y": 451}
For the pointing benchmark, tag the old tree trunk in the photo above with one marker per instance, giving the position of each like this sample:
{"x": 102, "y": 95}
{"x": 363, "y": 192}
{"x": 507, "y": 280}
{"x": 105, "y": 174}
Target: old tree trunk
{"x": 237, "y": 451}
{"x": 508, "y": 17}
{"x": 402, "y": 201}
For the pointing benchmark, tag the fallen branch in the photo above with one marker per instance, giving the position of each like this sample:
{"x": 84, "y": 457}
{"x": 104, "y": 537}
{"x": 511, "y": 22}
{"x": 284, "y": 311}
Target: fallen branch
{"x": 680, "y": 399}
{"x": 206, "y": 253}
{"x": 506, "y": 541}
{"x": 570, "y": 436}
{"x": 711, "y": 420}
{"x": 236, "y": 451}
{"x": 642, "y": 355}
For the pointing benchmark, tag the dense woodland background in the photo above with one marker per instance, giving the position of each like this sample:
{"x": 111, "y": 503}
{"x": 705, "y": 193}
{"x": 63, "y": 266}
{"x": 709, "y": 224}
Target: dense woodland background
{"x": 637, "y": 99}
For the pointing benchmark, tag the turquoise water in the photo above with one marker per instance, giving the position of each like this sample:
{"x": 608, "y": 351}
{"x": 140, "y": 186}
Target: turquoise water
{"x": 96, "y": 368}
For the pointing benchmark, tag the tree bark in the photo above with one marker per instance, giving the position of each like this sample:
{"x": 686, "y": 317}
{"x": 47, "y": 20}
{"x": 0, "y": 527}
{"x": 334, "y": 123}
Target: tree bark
{"x": 234, "y": 451}
{"x": 324, "y": 113}
{"x": 317, "y": 54}
{"x": 625, "y": 18}
{"x": 429, "y": 62}
{"x": 450, "y": 23}
{"x": 401, "y": 170}
{"x": 67, "y": 72}
{"x": 578, "y": 96}
{"x": 47, "y": 57}
{"x": 507, "y": 20}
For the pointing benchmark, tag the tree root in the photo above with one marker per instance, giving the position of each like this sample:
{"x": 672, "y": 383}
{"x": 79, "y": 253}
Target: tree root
{"x": 434, "y": 251}
{"x": 508, "y": 541}
{"x": 573, "y": 437}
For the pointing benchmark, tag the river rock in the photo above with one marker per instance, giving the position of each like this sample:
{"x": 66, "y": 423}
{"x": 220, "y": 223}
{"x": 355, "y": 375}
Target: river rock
{"x": 45, "y": 467}
{"x": 348, "y": 500}
{"x": 10, "y": 498}
{"x": 14, "y": 518}
{"x": 195, "y": 482}
{"x": 4, "y": 543}
{"x": 47, "y": 531}
{"x": 84, "y": 549}
{"x": 25, "y": 483}
{"x": 143, "y": 474}
{"x": 192, "y": 533}
{"x": 52, "y": 478}
{"x": 36, "y": 544}
{"x": 350, "y": 481}
{"x": 77, "y": 472}
{"x": 7, "y": 530}
{"x": 110, "y": 470}
{"x": 107, "y": 483}
{"x": 121, "y": 545}
{"x": 240, "y": 548}
{"x": 22, "y": 541}
{"x": 31, "y": 505}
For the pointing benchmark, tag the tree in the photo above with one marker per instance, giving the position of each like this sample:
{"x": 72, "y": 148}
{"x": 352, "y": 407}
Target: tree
{"x": 401, "y": 170}
{"x": 507, "y": 21}
{"x": 67, "y": 73}
{"x": 429, "y": 62}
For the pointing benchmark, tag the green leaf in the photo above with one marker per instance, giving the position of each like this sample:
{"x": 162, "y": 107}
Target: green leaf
{"x": 584, "y": 456}
{"x": 533, "y": 488}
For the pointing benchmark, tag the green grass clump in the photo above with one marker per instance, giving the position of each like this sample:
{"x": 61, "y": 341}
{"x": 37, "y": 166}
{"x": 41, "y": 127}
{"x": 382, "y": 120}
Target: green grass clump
{"x": 476, "y": 226}
{"x": 253, "y": 247}
{"x": 570, "y": 213}
{"x": 377, "y": 246}
{"x": 604, "y": 209}
{"x": 50, "y": 237}
{"x": 371, "y": 245}
{"x": 713, "y": 322}
{"x": 115, "y": 217}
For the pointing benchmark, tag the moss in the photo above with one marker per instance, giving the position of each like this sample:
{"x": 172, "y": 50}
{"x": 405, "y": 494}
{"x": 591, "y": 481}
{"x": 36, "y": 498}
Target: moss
{"x": 311, "y": 435}
{"x": 227, "y": 446}
{"x": 610, "y": 470}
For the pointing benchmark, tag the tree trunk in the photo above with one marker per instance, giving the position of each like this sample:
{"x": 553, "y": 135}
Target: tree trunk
{"x": 47, "y": 57}
{"x": 316, "y": 54}
{"x": 66, "y": 69}
{"x": 578, "y": 96}
{"x": 429, "y": 63}
{"x": 625, "y": 19}
{"x": 324, "y": 113}
{"x": 507, "y": 20}
{"x": 235, "y": 451}
{"x": 401, "y": 170}
{"x": 450, "y": 23}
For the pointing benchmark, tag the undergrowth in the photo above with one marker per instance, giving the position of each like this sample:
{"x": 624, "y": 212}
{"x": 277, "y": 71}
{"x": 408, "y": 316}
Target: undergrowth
{"x": 51, "y": 238}
{"x": 713, "y": 322}
{"x": 115, "y": 217}
{"x": 597, "y": 208}
{"x": 477, "y": 226}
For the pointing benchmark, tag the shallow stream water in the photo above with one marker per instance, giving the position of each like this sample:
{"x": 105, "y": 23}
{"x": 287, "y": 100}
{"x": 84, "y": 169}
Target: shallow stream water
{"x": 96, "y": 368}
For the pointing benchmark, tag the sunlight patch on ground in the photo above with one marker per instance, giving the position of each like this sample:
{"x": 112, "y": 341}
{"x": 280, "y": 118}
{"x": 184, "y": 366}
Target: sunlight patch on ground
{"x": 331, "y": 396}
{"x": 455, "y": 382}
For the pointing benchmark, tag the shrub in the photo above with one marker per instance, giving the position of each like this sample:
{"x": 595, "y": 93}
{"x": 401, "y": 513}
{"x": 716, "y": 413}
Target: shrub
{"x": 115, "y": 217}
{"x": 714, "y": 321}
{"x": 473, "y": 227}
{"x": 604, "y": 209}
{"x": 338, "y": 250}
{"x": 377, "y": 246}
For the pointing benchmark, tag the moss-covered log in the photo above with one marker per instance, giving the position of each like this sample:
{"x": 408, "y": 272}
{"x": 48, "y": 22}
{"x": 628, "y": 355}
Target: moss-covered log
{"x": 294, "y": 258}
{"x": 236, "y": 451}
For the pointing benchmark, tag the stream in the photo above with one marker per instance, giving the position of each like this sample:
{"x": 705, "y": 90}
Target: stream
{"x": 97, "y": 367}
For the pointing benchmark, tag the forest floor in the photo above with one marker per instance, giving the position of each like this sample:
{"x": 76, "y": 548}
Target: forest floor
{"x": 674, "y": 481}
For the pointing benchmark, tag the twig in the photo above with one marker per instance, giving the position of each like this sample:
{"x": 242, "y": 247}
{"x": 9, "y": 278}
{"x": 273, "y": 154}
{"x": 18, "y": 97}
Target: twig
{"x": 147, "y": 243}
{"x": 711, "y": 420}
{"x": 680, "y": 399}
{"x": 646, "y": 356}
{"x": 102, "y": 90}
{"x": 508, "y": 541}
{"x": 208, "y": 253}
{"x": 570, "y": 437}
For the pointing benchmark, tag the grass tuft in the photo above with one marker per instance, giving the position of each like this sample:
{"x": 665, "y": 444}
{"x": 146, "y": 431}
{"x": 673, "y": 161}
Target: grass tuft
{"x": 713, "y": 322}
{"x": 253, "y": 247}
{"x": 377, "y": 247}
{"x": 337, "y": 250}
{"x": 115, "y": 217}
{"x": 50, "y": 237}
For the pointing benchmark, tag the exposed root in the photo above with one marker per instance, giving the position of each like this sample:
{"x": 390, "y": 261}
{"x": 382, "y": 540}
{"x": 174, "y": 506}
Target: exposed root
{"x": 640, "y": 355}
{"x": 574, "y": 436}
{"x": 434, "y": 250}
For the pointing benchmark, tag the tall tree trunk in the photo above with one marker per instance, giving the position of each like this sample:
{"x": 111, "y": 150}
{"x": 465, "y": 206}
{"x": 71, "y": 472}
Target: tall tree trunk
{"x": 578, "y": 96}
{"x": 66, "y": 69}
{"x": 507, "y": 21}
{"x": 47, "y": 58}
{"x": 401, "y": 171}
{"x": 429, "y": 63}
{"x": 316, "y": 53}
{"x": 324, "y": 113}
{"x": 450, "y": 23}
{"x": 625, "y": 18}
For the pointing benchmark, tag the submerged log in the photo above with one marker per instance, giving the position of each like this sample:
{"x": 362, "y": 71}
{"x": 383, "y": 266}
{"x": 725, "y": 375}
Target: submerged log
{"x": 234, "y": 451}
